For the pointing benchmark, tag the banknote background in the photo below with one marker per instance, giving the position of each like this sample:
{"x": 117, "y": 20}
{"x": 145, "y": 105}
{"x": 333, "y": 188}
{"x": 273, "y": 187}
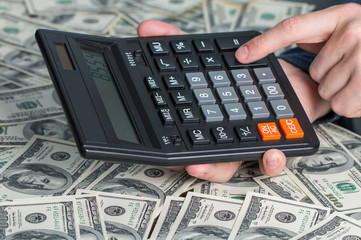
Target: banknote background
{"x": 53, "y": 192}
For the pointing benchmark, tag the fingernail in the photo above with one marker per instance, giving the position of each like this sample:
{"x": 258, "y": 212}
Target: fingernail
{"x": 242, "y": 52}
{"x": 272, "y": 163}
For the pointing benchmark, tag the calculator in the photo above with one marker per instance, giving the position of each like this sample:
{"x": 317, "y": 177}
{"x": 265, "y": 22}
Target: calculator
{"x": 174, "y": 100}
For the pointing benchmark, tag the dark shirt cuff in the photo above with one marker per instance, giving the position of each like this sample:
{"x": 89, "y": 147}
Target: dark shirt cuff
{"x": 299, "y": 58}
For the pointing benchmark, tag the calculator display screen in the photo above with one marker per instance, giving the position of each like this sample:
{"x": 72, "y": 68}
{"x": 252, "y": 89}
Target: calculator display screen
{"x": 114, "y": 105}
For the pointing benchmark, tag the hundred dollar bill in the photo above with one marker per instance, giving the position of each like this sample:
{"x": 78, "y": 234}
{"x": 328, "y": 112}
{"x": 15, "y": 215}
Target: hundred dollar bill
{"x": 268, "y": 217}
{"x": 220, "y": 15}
{"x": 18, "y": 78}
{"x": 169, "y": 213}
{"x": 6, "y": 154}
{"x": 18, "y": 32}
{"x": 124, "y": 28}
{"x": 96, "y": 23}
{"x": 355, "y": 214}
{"x": 350, "y": 140}
{"x": 30, "y": 104}
{"x": 282, "y": 186}
{"x": 331, "y": 176}
{"x": 43, "y": 167}
{"x": 335, "y": 226}
{"x": 20, "y": 134}
{"x": 143, "y": 180}
{"x": 186, "y": 24}
{"x": 170, "y": 7}
{"x": 203, "y": 216}
{"x": 46, "y": 218}
{"x": 196, "y": 18}
{"x": 263, "y": 14}
{"x": 91, "y": 176}
{"x": 237, "y": 187}
{"x": 6, "y": 85}
{"x": 13, "y": 8}
{"x": 23, "y": 60}
{"x": 91, "y": 222}
{"x": 49, "y": 7}
{"x": 125, "y": 216}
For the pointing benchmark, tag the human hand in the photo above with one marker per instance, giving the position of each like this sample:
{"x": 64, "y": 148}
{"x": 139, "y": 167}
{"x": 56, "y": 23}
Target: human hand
{"x": 334, "y": 34}
{"x": 273, "y": 160}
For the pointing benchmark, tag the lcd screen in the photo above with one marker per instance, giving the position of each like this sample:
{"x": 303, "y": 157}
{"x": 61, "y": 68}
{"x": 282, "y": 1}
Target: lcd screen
{"x": 113, "y": 103}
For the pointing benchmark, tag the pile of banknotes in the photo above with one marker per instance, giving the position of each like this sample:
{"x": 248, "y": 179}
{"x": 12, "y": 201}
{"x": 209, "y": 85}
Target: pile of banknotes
{"x": 48, "y": 191}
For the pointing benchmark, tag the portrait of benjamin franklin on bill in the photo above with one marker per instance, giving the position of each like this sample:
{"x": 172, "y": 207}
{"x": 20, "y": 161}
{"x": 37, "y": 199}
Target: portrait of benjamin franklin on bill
{"x": 324, "y": 161}
{"x": 36, "y": 179}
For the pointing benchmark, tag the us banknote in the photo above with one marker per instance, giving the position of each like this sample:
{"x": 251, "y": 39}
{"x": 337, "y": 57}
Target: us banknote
{"x": 221, "y": 15}
{"x": 282, "y": 186}
{"x": 6, "y": 154}
{"x": 14, "y": 78}
{"x": 47, "y": 218}
{"x": 125, "y": 216}
{"x": 91, "y": 222}
{"x": 51, "y": 7}
{"x": 170, "y": 210}
{"x": 335, "y": 226}
{"x": 240, "y": 183}
{"x": 267, "y": 217}
{"x": 44, "y": 167}
{"x": 23, "y": 60}
{"x": 330, "y": 177}
{"x": 143, "y": 180}
{"x": 28, "y": 105}
{"x": 203, "y": 216}
{"x": 18, "y": 135}
{"x": 348, "y": 139}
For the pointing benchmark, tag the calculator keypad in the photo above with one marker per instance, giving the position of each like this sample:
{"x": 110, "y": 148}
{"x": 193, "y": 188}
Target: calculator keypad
{"x": 207, "y": 85}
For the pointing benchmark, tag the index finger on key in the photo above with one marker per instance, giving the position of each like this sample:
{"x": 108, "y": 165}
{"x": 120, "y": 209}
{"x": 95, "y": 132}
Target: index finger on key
{"x": 312, "y": 27}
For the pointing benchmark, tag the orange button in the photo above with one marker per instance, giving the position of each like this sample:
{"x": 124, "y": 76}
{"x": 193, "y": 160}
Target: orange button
{"x": 291, "y": 128}
{"x": 268, "y": 131}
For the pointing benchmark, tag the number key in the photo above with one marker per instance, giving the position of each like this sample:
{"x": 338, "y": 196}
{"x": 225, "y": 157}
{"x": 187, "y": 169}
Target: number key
{"x": 250, "y": 93}
{"x": 242, "y": 77}
{"x": 235, "y": 111}
{"x": 219, "y": 78}
{"x": 204, "y": 96}
{"x": 212, "y": 113}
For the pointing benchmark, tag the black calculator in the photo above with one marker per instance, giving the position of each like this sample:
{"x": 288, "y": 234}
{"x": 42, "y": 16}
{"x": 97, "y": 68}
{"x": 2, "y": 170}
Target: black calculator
{"x": 174, "y": 100}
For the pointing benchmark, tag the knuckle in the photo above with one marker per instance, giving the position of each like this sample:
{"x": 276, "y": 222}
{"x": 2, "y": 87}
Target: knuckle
{"x": 323, "y": 93}
{"x": 291, "y": 25}
{"x": 338, "y": 108}
{"x": 315, "y": 73}
{"x": 349, "y": 8}
{"x": 351, "y": 32}
{"x": 258, "y": 42}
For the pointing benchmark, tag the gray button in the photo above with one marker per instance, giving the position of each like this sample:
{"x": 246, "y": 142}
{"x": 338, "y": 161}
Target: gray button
{"x": 196, "y": 80}
{"x": 219, "y": 78}
{"x": 227, "y": 94}
{"x": 272, "y": 91}
{"x": 250, "y": 93}
{"x": 281, "y": 108}
{"x": 212, "y": 113}
{"x": 258, "y": 109}
{"x": 204, "y": 96}
{"x": 264, "y": 75}
{"x": 235, "y": 111}
{"x": 242, "y": 77}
